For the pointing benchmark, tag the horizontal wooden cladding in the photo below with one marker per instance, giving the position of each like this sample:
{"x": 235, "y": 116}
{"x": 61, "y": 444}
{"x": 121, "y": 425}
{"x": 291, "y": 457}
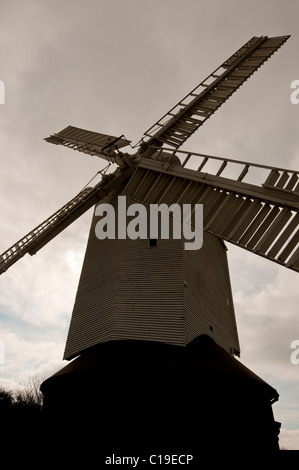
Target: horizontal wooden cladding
{"x": 208, "y": 296}
{"x": 92, "y": 316}
{"x": 96, "y": 295}
{"x": 200, "y": 321}
{"x": 128, "y": 290}
{"x": 150, "y": 300}
{"x": 264, "y": 228}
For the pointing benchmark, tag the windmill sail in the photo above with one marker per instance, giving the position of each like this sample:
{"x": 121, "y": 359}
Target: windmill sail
{"x": 262, "y": 218}
{"x": 61, "y": 219}
{"x": 89, "y": 142}
{"x": 176, "y": 126}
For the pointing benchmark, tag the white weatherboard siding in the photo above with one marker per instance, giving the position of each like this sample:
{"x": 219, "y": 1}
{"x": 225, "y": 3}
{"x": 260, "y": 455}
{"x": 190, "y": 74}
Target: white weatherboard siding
{"x": 128, "y": 290}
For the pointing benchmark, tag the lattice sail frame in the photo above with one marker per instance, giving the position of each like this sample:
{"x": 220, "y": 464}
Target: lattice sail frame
{"x": 178, "y": 124}
{"x": 250, "y": 205}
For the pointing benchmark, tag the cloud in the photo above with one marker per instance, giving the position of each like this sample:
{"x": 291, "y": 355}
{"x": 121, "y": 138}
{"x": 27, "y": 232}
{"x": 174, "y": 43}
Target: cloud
{"x": 266, "y": 305}
{"x": 25, "y": 358}
{"x": 288, "y": 439}
{"x": 42, "y": 292}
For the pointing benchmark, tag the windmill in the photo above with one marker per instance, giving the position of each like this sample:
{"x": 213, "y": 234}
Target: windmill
{"x": 153, "y": 326}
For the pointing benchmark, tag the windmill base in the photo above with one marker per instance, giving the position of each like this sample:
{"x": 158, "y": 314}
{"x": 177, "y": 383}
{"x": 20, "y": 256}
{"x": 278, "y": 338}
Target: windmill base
{"x": 141, "y": 398}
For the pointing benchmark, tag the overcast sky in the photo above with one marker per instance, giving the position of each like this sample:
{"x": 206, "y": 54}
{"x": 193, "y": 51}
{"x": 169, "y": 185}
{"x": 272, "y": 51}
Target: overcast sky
{"x": 116, "y": 66}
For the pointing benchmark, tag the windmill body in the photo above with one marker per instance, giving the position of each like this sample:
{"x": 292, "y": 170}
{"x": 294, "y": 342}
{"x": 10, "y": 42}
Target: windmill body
{"x": 130, "y": 290}
{"x": 146, "y": 310}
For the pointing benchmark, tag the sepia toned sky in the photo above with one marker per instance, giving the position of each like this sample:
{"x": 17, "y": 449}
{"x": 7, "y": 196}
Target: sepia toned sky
{"x": 116, "y": 66}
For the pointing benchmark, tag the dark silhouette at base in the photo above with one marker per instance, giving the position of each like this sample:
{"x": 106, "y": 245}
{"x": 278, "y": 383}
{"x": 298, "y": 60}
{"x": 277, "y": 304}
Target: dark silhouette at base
{"x": 138, "y": 398}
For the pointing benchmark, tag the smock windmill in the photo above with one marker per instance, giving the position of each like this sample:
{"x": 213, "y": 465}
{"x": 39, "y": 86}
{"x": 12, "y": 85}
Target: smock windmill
{"x": 153, "y": 294}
